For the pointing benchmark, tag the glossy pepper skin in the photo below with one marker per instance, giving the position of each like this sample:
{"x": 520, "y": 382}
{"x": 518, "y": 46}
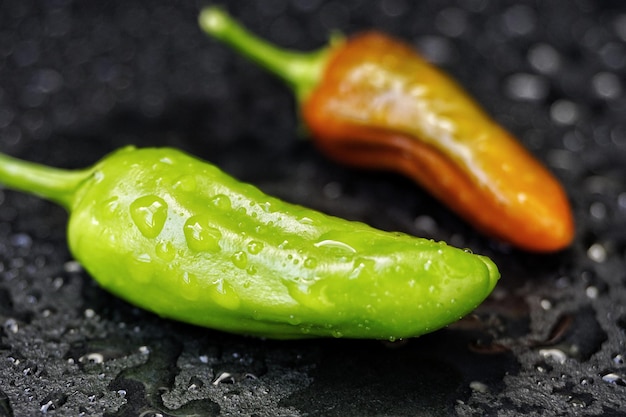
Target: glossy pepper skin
{"x": 178, "y": 237}
{"x": 372, "y": 101}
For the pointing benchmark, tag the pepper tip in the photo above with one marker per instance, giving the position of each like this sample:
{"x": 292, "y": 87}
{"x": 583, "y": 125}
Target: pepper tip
{"x": 492, "y": 271}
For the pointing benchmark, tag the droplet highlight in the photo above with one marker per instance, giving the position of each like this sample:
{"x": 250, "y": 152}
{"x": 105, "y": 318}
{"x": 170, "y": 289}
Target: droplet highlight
{"x": 200, "y": 235}
{"x": 240, "y": 259}
{"x": 149, "y": 214}
{"x": 222, "y": 202}
{"x": 223, "y": 294}
{"x": 165, "y": 250}
{"x": 310, "y": 263}
{"x": 186, "y": 183}
{"x": 335, "y": 245}
{"x": 254, "y": 247}
{"x": 190, "y": 290}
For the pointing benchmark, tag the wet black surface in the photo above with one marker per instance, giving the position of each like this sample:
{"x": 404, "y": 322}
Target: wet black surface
{"x": 79, "y": 79}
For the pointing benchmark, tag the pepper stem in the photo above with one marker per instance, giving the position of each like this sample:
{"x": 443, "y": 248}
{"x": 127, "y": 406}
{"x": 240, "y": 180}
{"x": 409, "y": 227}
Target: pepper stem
{"x": 302, "y": 71}
{"x": 54, "y": 184}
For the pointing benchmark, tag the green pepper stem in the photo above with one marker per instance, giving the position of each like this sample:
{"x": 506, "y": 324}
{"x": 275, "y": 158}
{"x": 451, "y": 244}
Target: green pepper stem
{"x": 302, "y": 71}
{"x": 54, "y": 184}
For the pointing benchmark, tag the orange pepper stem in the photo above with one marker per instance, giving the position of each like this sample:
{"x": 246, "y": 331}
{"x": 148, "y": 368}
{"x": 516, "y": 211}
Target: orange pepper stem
{"x": 301, "y": 71}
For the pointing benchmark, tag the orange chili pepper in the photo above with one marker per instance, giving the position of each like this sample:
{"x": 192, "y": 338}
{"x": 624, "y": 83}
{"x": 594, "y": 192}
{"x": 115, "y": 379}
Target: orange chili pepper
{"x": 372, "y": 101}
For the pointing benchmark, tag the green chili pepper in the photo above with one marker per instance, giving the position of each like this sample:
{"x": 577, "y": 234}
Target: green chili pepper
{"x": 178, "y": 237}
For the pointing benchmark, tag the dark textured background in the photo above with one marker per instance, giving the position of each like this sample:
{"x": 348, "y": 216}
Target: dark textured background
{"x": 79, "y": 79}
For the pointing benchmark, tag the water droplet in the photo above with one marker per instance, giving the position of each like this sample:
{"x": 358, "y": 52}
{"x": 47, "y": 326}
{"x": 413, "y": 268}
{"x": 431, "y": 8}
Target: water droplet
{"x": 254, "y": 247}
{"x": 332, "y": 190}
{"x": 143, "y": 258}
{"x": 574, "y": 141}
{"x": 619, "y": 359}
{"x": 72, "y": 267}
{"x": 607, "y": 85}
{"x": 58, "y": 282}
{"x": 336, "y": 333}
{"x": 426, "y": 224}
{"x": 165, "y": 250}
{"x": 149, "y": 214}
{"x": 614, "y": 378}
{"x": 564, "y": 112}
{"x": 310, "y": 263}
{"x": 428, "y": 264}
{"x": 94, "y": 357}
{"x": 553, "y": 354}
{"x": 109, "y": 207}
{"x": 200, "y": 236}
{"x": 190, "y": 288}
{"x": 592, "y": 292}
{"x": 53, "y": 401}
{"x": 310, "y": 292}
{"x": 11, "y": 326}
{"x": 479, "y": 387}
{"x": 437, "y": 50}
{"x": 335, "y": 244}
{"x": 361, "y": 265}
{"x": 529, "y": 87}
{"x": 222, "y": 202}
{"x": 598, "y": 210}
{"x": 621, "y": 200}
{"x": 240, "y": 259}
{"x": 186, "y": 183}
{"x": 142, "y": 268}
{"x": 543, "y": 368}
{"x": 224, "y": 377}
{"x": 98, "y": 176}
{"x": 519, "y": 20}
{"x": 224, "y": 295}
{"x": 544, "y": 58}
{"x": 597, "y": 253}
{"x": 305, "y": 329}
{"x": 266, "y": 206}
{"x": 21, "y": 240}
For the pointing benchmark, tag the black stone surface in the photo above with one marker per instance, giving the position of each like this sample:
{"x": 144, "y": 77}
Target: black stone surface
{"x": 79, "y": 79}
